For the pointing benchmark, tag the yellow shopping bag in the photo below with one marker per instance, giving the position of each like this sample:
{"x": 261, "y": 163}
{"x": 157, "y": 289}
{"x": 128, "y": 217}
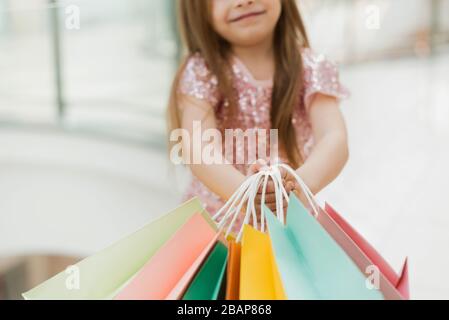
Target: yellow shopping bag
{"x": 259, "y": 275}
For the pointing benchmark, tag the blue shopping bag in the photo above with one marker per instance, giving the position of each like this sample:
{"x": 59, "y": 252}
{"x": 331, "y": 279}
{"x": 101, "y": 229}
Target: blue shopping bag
{"x": 311, "y": 264}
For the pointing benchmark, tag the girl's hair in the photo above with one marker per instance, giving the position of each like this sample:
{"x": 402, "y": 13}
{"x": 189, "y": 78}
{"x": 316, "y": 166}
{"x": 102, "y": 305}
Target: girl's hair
{"x": 290, "y": 35}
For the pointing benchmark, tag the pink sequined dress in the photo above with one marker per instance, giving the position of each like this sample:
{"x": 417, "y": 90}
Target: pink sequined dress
{"x": 254, "y": 104}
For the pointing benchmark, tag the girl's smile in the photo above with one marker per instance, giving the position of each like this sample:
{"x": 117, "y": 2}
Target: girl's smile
{"x": 245, "y": 22}
{"x": 247, "y": 16}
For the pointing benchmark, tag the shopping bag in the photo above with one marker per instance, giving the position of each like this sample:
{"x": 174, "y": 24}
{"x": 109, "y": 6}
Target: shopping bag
{"x": 361, "y": 252}
{"x": 209, "y": 281}
{"x": 311, "y": 264}
{"x": 259, "y": 276}
{"x": 168, "y": 272}
{"x": 392, "y": 286}
{"x": 233, "y": 271}
{"x": 182, "y": 284}
{"x": 103, "y": 274}
{"x": 349, "y": 244}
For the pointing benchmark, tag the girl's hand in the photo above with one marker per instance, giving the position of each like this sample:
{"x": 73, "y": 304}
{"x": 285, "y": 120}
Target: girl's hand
{"x": 289, "y": 182}
{"x": 291, "y": 185}
{"x": 270, "y": 195}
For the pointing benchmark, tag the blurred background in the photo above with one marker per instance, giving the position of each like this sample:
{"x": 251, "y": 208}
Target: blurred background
{"x": 83, "y": 156}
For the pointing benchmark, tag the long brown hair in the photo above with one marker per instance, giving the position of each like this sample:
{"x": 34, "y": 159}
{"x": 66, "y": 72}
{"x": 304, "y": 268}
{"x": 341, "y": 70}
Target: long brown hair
{"x": 290, "y": 35}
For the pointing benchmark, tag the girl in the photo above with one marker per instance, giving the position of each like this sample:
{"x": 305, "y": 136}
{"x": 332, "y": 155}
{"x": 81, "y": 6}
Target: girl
{"x": 249, "y": 65}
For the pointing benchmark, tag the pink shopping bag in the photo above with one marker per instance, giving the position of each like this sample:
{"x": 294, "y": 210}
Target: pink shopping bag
{"x": 170, "y": 270}
{"x": 392, "y": 285}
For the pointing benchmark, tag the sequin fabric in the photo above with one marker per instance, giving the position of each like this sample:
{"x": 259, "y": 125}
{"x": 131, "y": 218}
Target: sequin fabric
{"x": 254, "y": 104}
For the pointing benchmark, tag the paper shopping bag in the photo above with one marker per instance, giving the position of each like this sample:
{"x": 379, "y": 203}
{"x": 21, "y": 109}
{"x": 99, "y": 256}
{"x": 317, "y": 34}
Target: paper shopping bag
{"x": 104, "y": 273}
{"x": 311, "y": 264}
{"x": 207, "y": 284}
{"x": 259, "y": 276}
{"x": 392, "y": 286}
{"x": 178, "y": 291}
{"x": 168, "y": 272}
{"x": 233, "y": 271}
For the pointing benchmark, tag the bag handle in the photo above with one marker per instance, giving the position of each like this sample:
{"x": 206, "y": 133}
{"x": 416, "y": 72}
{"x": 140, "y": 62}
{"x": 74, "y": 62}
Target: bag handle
{"x": 247, "y": 193}
{"x": 304, "y": 188}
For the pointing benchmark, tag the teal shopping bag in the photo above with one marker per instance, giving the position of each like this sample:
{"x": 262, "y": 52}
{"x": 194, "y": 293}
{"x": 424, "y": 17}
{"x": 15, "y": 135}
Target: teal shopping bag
{"x": 207, "y": 283}
{"x": 311, "y": 264}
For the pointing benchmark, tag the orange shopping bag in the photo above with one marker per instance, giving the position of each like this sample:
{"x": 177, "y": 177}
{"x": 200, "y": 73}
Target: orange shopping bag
{"x": 233, "y": 271}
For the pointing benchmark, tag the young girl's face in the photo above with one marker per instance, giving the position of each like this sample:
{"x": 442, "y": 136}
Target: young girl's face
{"x": 245, "y": 22}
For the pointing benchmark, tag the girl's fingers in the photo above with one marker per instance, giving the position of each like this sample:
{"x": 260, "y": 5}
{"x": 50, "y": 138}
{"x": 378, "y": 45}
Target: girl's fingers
{"x": 256, "y": 166}
{"x": 284, "y": 173}
{"x": 270, "y": 187}
{"x": 270, "y": 195}
{"x": 287, "y": 176}
{"x": 269, "y": 198}
{"x": 270, "y": 192}
{"x": 271, "y": 206}
{"x": 289, "y": 186}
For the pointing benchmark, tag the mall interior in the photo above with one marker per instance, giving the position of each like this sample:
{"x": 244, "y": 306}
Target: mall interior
{"x": 83, "y": 155}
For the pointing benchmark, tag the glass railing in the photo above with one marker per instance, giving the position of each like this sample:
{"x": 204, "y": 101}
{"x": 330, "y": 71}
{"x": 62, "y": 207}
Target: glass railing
{"x": 102, "y": 67}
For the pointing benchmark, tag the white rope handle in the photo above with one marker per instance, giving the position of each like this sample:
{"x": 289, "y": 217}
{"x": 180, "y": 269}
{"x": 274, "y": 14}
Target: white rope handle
{"x": 247, "y": 193}
{"x": 231, "y": 207}
{"x": 305, "y": 189}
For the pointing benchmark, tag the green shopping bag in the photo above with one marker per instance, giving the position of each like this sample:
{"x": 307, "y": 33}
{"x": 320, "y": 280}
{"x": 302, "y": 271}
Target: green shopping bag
{"x": 311, "y": 264}
{"x": 103, "y": 274}
{"x": 207, "y": 283}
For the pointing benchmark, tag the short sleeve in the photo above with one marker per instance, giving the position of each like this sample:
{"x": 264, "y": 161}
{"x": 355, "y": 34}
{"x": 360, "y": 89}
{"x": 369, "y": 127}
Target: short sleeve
{"x": 321, "y": 75}
{"x": 198, "y": 82}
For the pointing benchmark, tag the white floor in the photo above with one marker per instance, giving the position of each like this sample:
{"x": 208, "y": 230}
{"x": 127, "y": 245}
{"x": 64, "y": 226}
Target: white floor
{"x": 71, "y": 194}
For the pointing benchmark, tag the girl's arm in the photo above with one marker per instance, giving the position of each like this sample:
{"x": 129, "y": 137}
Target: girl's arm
{"x": 330, "y": 153}
{"x": 223, "y": 178}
